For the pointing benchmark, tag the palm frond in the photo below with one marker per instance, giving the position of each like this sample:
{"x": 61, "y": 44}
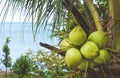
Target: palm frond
{"x": 40, "y": 12}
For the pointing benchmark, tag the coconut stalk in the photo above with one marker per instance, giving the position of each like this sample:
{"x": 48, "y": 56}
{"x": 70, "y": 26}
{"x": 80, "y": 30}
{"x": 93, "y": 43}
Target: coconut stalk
{"x": 50, "y": 47}
{"x": 76, "y": 15}
{"x": 115, "y": 15}
{"x": 95, "y": 15}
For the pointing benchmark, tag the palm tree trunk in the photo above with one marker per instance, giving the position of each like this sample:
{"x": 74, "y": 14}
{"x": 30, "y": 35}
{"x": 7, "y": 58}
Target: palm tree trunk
{"x": 115, "y": 14}
{"x": 6, "y": 72}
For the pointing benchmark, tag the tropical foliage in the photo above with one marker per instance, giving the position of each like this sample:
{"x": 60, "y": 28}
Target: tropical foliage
{"x": 41, "y": 12}
{"x": 52, "y": 65}
{"x": 7, "y": 59}
{"x": 24, "y": 67}
{"x": 90, "y": 15}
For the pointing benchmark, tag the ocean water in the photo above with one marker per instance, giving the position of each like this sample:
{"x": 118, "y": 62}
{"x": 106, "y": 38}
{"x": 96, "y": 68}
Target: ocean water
{"x": 22, "y": 38}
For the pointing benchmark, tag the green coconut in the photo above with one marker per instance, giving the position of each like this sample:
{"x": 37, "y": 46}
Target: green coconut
{"x": 77, "y": 36}
{"x": 92, "y": 64}
{"x": 99, "y": 37}
{"x": 103, "y": 57}
{"x": 73, "y": 57}
{"x": 84, "y": 65}
{"x": 89, "y": 50}
{"x": 65, "y": 44}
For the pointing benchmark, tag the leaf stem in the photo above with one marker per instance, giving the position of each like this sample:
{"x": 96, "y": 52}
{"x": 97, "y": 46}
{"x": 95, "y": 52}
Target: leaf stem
{"x": 95, "y": 15}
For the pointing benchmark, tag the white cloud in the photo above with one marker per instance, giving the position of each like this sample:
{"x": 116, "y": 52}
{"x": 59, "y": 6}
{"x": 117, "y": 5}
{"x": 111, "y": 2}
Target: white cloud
{"x": 18, "y": 16}
{"x": 9, "y": 16}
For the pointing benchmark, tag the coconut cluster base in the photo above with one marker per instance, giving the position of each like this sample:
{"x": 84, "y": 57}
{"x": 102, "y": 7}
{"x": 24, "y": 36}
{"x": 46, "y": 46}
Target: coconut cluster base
{"x": 111, "y": 70}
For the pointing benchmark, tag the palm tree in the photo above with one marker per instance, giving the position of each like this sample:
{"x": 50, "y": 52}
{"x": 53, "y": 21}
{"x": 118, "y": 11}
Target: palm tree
{"x": 24, "y": 67}
{"x": 91, "y": 15}
{"x": 7, "y": 59}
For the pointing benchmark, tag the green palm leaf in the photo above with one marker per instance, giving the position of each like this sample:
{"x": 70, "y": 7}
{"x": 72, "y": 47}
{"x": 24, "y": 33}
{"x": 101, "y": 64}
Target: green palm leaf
{"x": 40, "y": 11}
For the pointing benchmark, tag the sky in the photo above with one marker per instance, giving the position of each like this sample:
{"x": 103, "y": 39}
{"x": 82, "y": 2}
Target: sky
{"x": 21, "y": 41}
{"x": 16, "y": 18}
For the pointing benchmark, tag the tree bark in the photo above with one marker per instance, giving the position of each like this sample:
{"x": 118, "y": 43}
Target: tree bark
{"x": 50, "y": 47}
{"x": 115, "y": 14}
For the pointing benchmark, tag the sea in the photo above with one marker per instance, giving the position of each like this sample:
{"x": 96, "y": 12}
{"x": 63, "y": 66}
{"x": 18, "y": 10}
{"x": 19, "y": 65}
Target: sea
{"x": 22, "y": 38}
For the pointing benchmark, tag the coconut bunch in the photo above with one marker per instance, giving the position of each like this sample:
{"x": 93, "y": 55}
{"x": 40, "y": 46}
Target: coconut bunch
{"x": 82, "y": 51}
